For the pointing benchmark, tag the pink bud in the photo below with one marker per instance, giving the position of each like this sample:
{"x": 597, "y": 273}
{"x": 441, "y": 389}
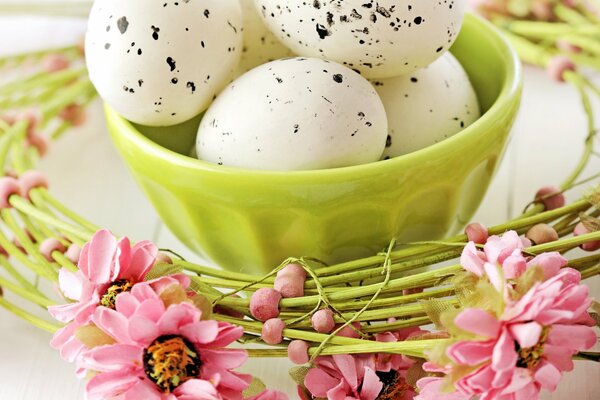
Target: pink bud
{"x": 579, "y": 230}
{"x": 298, "y": 352}
{"x": 290, "y": 281}
{"x": 163, "y": 258}
{"x": 567, "y": 47}
{"x": 8, "y": 187}
{"x": 272, "y": 331}
{"x": 558, "y": 65}
{"x": 73, "y": 114}
{"x": 40, "y": 142}
{"x": 32, "y": 116}
{"x": 477, "y": 233}
{"x": 322, "y": 321}
{"x": 349, "y": 332}
{"x": 551, "y": 197}
{"x": 30, "y": 180}
{"x": 294, "y": 269}
{"x": 264, "y": 304}
{"x": 542, "y": 10}
{"x": 73, "y": 253}
{"x": 407, "y": 292}
{"x": 542, "y": 233}
{"x": 49, "y": 246}
{"x": 55, "y": 62}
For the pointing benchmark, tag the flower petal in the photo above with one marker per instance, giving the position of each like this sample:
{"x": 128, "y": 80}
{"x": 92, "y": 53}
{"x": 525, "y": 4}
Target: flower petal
{"x": 504, "y": 356}
{"x": 548, "y": 376}
{"x": 318, "y": 382}
{"x": 196, "y": 389}
{"x": 472, "y": 259}
{"x": 347, "y": 367}
{"x": 110, "y": 384}
{"x": 176, "y": 316}
{"x": 112, "y": 358}
{"x": 112, "y": 323}
{"x": 561, "y": 357}
{"x": 471, "y": 353}
{"x": 371, "y": 385}
{"x": 203, "y": 332}
{"x": 527, "y": 335}
{"x": 101, "y": 252}
{"x": 479, "y": 322}
{"x": 551, "y": 263}
{"x": 224, "y": 358}
{"x": 142, "y": 330}
{"x": 71, "y": 283}
{"x": 143, "y": 256}
{"x": 143, "y": 390}
{"x": 576, "y": 337}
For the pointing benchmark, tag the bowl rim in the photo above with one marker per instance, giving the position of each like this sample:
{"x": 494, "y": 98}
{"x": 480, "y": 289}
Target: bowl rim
{"x": 510, "y": 89}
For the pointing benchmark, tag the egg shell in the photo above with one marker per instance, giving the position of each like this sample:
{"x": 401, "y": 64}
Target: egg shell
{"x": 427, "y": 106}
{"x": 160, "y": 63}
{"x": 294, "y": 114}
{"x": 260, "y": 45}
{"x": 380, "y": 39}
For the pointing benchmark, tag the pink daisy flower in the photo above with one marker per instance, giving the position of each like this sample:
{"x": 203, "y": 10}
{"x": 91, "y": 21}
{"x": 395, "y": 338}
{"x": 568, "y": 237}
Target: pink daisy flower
{"x": 107, "y": 267}
{"x": 528, "y": 347}
{"x": 162, "y": 353}
{"x": 348, "y": 377}
{"x": 506, "y": 252}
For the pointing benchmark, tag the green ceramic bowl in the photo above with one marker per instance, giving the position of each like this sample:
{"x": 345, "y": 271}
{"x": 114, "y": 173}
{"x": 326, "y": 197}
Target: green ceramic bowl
{"x": 250, "y": 221}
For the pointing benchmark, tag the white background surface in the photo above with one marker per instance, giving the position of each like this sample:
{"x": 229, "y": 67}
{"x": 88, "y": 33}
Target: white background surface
{"x": 87, "y": 174}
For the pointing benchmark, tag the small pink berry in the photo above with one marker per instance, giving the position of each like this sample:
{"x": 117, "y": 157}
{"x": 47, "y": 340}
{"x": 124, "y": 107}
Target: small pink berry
{"x": 293, "y": 270}
{"x": 477, "y": 233}
{"x": 73, "y": 253}
{"x": 49, "y": 246}
{"x": 542, "y": 233}
{"x": 322, "y": 321}
{"x": 408, "y": 292}
{"x": 567, "y": 47}
{"x": 30, "y": 180}
{"x": 8, "y": 187}
{"x": 579, "y": 230}
{"x": 55, "y": 62}
{"x": 32, "y": 116}
{"x": 298, "y": 352}
{"x": 272, "y": 331}
{"x": 162, "y": 258}
{"x": 40, "y": 142}
{"x": 551, "y": 197}
{"x": 289, "y": 286}
{"x": 73, "y": 114}
{"x": 264, "y": 304}
{"x": 349, "y": 332}
{"x": 542, "y": 10}
{"x": 558, "y": 65}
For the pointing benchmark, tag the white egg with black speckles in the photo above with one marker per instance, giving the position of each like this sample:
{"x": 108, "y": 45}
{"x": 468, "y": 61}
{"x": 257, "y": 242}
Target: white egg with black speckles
{"x": 427, "y": 106}
{"x": 294, "y": 114}
{"x": 380, "y": 39}
{"x": 160, "y": 63}
{"x": 260, "y": 45}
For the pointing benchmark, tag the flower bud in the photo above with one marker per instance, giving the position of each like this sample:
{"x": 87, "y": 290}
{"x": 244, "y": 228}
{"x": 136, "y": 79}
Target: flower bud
{"x": 49, "y": 246}
{"x": 477, "y": 233}
{"x": 542, "y": 233}
{"x": 298, "y": 352}
{"x": 322, "y": 321}
{"x": 551, "y": 197}
{"x": 579, "y": 230}
{"x": 264, "y": 304}
{"x": 55, "y": 62}
{"x": 272, "y": 331}
{"x": 558, "y": 65}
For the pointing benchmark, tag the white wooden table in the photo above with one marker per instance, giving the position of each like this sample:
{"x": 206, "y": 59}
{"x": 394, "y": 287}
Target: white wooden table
{"x": 546, "y": 144}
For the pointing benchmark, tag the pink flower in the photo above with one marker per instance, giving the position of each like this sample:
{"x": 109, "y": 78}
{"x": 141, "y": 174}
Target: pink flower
{"x": 395, "y": 362}
{"x": 506, "y": 252}
{"x": 269, "y": 395}
{"x": 527, "y": 348}
{"x": 347, "y": 377}
{"x": 107, "y": 267}
{"x": 162, "y": 353}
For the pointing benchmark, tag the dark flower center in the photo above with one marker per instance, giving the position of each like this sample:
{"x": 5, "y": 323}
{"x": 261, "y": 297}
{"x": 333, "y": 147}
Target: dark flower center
{"x": 530, "y": 357}
{"x": 171, "y": 360}
{"x": 394, "y": 386}
{"x": 117, "y": 287}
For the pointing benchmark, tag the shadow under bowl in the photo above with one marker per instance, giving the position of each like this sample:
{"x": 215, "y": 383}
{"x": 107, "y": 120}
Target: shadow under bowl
{"x": 250, "y": 221}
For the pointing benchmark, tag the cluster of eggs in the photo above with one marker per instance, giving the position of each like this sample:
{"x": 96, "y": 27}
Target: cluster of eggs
{"x": 316, "y": 83}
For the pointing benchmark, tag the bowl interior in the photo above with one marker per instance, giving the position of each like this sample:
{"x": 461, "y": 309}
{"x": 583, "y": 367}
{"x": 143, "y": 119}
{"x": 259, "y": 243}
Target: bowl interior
{"x": 491, "y": 66}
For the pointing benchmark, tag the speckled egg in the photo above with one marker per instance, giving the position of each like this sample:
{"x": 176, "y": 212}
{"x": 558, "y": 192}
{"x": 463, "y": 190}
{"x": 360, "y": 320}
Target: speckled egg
{"x": 380, "y": 39}
{"x": 427, "y": 106}
{"x": 294, "y": 114}
{"x": 160, "y": 63}
{"x": 260, "y": 45}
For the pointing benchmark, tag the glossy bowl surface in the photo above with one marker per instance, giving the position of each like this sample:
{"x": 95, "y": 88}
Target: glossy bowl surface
{"x": 250, "y": 221}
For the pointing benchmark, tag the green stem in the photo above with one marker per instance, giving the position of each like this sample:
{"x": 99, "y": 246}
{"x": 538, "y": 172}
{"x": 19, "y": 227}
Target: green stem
{"x": 25, "y": 294}
{"x": 32, "y": 319}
